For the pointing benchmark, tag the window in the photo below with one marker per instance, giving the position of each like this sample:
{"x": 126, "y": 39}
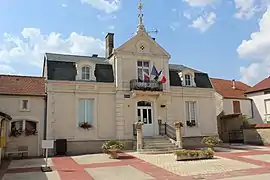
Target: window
{"x": 86, "y": 73}
{"x": 86, "y": 111}
{"x": 20, "y": 126}
{"x": 143, "y": 70}
{"x": 267, "y": 92}
{"x": 267, "y": 106}
{"x": 236, "y": 107}
{"x": 24, "y": 105}
{"x": 190, "y": 113}
{"x": 188, "y": 80}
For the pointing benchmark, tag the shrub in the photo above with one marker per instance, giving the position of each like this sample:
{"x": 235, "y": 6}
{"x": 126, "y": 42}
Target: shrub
{"x": 112, "y": 145}
{"x": 207, "y": 153}
{"x": 211, "y": 141}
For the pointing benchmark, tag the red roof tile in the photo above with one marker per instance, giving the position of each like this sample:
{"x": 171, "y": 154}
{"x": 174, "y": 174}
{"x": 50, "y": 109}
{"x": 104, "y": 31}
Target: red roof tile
{"x": 224, "y": 88}
{"x": 22, "y": 85}
{"x": 263, "y": 85}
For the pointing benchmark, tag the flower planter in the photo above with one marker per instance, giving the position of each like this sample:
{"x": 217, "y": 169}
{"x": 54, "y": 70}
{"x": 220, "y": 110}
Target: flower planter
{"x": 183, "y": 155}
{"x": 185, "y": 158}
{"x": 113, "y": 153}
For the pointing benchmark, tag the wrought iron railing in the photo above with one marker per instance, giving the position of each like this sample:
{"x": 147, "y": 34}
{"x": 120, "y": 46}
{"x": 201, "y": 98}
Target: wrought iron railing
{"x": 166, "y": 130}
{"x": 151, "y": 85}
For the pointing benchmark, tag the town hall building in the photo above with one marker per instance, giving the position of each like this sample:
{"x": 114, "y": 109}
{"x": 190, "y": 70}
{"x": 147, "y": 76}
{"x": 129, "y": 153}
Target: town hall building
{"x": 91, "y": 99}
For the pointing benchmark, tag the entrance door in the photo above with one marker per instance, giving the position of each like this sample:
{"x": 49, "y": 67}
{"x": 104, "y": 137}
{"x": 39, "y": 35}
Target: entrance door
{"x": 145, "y": 115}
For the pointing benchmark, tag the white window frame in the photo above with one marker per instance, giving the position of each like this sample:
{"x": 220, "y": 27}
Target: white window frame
{"x": 188, "y": 80}
{"x": 143, "y": 68}
{"x": 21, "y": 104}
{"x": 84, "y": 74}
{"x": 188, "y": 116}
{"x": 93, "y": 109}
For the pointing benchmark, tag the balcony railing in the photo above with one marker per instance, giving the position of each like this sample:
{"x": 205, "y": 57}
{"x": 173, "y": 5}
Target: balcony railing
{"x": 145, "y": 85}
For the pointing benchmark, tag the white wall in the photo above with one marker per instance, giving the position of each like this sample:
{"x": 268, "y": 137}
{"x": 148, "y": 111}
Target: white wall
{"x": 245, "y": 105}
{"x": 259, "y": 105}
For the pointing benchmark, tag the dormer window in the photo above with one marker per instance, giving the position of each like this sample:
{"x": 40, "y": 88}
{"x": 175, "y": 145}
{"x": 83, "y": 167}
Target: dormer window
{"x": 86, "y": 73}
{"x": 188, "y": 80}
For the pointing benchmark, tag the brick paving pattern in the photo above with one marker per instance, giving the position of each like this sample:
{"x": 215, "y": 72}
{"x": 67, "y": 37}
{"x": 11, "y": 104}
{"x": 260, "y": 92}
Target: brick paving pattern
{"x": 236, "y": 162}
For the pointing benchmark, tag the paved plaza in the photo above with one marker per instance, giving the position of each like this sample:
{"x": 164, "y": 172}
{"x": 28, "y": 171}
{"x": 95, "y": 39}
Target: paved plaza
{"x": 237, "y": 162}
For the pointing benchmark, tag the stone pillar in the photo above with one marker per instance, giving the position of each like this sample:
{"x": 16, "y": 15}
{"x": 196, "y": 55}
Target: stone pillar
{"x": 179, "y": 141}
{"x": 138, "y": 126}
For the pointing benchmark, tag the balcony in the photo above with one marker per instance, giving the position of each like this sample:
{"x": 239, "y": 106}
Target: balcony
{"x": 145, "y": 85}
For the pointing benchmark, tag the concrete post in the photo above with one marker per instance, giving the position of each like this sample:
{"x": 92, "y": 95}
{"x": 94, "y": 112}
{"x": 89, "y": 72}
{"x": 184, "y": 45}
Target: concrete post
{"x": 179, "y": 141}
{"x": 138, "y": 126}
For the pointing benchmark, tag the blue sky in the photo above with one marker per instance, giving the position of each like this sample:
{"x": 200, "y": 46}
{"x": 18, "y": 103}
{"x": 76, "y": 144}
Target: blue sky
{"x": 227, "y": 38}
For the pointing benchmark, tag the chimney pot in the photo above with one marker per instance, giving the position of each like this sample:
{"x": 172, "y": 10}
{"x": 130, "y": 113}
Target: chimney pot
{"x": 233, "y": 84}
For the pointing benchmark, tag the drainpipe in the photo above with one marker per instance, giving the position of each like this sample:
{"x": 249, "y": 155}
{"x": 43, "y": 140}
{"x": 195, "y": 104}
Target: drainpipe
{"x": 45, "y": 119}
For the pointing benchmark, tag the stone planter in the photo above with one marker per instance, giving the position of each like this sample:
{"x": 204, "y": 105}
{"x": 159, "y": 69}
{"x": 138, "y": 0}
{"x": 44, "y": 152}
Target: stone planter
{"x": 113, "y": 153}
{"x": 185, "y": 158}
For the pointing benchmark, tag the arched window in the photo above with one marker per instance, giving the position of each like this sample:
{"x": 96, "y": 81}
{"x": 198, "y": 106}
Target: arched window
{"x": 188, "y": 80}
{"x": 86, "y": 73}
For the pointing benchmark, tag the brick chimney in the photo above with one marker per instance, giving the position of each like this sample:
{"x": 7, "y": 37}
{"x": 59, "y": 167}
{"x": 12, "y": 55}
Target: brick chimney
{"x": 109, "y": 44}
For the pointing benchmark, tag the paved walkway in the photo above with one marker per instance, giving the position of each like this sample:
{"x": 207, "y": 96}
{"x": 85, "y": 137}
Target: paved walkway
{"x": 230, "y": 163}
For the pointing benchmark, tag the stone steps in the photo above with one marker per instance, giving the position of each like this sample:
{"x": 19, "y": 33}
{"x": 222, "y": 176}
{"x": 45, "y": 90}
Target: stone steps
{"x": 158, "y": 145}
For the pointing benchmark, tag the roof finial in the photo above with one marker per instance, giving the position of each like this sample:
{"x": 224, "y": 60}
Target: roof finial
{"x": 140, "y": 26}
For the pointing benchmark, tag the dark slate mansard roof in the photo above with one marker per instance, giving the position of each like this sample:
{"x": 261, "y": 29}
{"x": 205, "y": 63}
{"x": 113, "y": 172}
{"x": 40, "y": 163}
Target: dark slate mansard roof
{"x": 63, "y": 67}
{"x": 201, "y": 79}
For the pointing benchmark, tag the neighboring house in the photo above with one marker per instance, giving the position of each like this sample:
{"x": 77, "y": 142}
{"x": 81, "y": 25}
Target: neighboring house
{"x": 4, "y": 119}
{"x": 231, "y": 103}
{"x": 114, "y": 92}
{"x": 22, "y": 98}
{"x": 260, "y": 94}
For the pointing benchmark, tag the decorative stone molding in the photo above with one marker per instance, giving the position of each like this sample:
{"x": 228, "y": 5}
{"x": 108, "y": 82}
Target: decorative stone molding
{"x": 178, "y": 133}
{"x": 178, "y": 124}
{"x": 138, "y": 125}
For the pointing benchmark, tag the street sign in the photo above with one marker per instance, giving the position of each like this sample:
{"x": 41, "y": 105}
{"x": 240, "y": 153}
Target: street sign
{"x": 47, "y": 144}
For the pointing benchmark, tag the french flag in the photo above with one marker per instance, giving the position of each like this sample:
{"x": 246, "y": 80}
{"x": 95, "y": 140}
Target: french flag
{"x": 146, "y": 76}
{"x": 161, "y": 77}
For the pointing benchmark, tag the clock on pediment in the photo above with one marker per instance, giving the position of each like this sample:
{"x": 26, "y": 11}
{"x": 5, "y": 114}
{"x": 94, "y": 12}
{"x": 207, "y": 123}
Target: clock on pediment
{"x": 142, "y": 47}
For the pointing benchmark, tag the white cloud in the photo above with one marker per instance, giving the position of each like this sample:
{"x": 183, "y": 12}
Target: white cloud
{"x": 203, "y": 23}
{"x": 104, "y": 5}
{"x": 174, "y": 26}
{"x": 64, "y": 5}
{"x": 248, "y": 8}
{"x": 28, "y": 49}
{"x": 196, "y": 3}
{"x": 256, "y": 49}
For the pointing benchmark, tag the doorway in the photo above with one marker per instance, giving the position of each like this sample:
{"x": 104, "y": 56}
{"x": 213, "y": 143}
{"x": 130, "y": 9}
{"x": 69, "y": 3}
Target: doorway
{"x": 145, "y": 115}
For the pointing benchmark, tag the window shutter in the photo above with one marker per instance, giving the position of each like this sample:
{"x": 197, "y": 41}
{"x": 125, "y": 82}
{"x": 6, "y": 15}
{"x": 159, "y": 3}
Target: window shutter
{"x": 236, "y": 107}
{"x": 267, "y": 106}
{"x": 192, "y": 111}
{"x": 89, "y": 109}
{"x": 81, "y": 111}
{"x": 187, "y": 112}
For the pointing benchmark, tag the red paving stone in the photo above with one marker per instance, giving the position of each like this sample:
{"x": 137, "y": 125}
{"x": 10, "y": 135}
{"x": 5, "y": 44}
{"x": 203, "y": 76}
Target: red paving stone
{"x": 69, "y": 169}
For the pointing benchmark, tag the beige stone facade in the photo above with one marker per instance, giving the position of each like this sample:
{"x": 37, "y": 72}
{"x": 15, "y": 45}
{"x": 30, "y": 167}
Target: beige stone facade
{"x": 116, "y": 108}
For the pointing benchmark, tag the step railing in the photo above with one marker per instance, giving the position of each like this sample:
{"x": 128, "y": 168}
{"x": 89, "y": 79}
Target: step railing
{"x": 166, "y": 130}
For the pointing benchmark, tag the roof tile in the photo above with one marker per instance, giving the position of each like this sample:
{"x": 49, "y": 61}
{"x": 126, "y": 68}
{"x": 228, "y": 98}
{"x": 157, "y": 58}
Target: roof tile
{"x": 263, "y": 85}
{"x": 224, "y": 88}
{"x": 22, "y": 85}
